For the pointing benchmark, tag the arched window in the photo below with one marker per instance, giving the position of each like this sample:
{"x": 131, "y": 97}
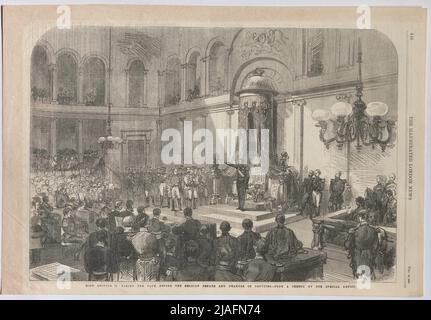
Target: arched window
{"x": 193, "y": 77}
{"x": 94, "y": 82}
{"x": 217, "y": 64}
{"x": 173, "y": 82}
{"x": 315, "y": 52}
{"x": 137, "y": 84}
{"x": 66, "y": 79}
{"x": 40, "y": 76}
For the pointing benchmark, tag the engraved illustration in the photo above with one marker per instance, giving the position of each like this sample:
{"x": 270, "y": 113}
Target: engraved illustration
{"x": 111, "y": 106}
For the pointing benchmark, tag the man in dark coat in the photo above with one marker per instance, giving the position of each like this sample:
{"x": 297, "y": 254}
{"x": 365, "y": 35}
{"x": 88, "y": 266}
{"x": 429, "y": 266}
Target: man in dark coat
{"x": 307, "y": 193}
{"x": 227, "y": 248}
{"x": 225, "y": 271}
{"x": 336, "y": 188}
{"x": 207, "y": 254}
{"x": 281, "y": 241}
{"x": 362, "y": 244}
{"x": 192, "y": 271}
{"x": 141, "y": 219}
{"x": 98, "y": 260}
{"x": 123, "y": 252}
{"x": 112, "y": 223}
{"x": 170, "y": 264}
{"x": 247, "y": 240}
{"x": 242, "y": 179}
{"x": 189, "y": 229}
{"x": 259, "y": 269}
{"x": 92, "y": 238}
{"x": 129, "y": 209}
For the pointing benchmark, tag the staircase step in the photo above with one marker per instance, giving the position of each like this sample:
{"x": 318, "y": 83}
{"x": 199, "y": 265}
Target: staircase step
{"x": 233, "y": 212}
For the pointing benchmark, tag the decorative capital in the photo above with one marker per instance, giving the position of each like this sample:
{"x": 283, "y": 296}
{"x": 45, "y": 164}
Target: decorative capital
{"x": 230, "y": 111}
{"x": 299, "y": 102}
{"x": 160, "y": 73}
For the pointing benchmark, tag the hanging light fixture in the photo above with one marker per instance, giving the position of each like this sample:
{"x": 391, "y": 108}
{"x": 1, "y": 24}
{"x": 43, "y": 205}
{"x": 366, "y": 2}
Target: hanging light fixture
{"x": 360, "y": 123}
{"x": 108, "y": 141}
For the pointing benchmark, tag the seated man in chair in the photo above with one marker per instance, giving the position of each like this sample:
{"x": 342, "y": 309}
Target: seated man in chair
{"x": 281, "y": 241}
{"x": 98, "y": 259}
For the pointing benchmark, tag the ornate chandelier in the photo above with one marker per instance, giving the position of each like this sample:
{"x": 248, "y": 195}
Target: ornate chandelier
{"x": 108, "y": 141}
{"x": 361, "y": 123}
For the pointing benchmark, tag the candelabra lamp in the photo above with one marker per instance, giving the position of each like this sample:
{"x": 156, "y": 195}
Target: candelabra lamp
{"x": 362, "y": 124}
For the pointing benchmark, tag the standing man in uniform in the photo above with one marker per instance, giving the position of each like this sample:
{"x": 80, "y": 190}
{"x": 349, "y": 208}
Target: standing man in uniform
{"x": 318, "y": 186}
{"x": 336, "y": 188}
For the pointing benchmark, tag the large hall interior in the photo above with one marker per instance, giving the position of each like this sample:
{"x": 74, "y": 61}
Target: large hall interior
{"x": 101, "y": 98}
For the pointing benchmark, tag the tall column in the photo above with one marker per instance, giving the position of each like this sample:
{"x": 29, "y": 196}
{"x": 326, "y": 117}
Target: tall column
{"x": 147, "y": 150}
{"x": 161, "y": 88}
{"x": 204, "y": 117}
{"x": 205, "y": 88}
{"x": 53, "y": 136}
{"x": 145, "y": 89}
{"x": 81, "y": 95}
{"x": 126, "y": 93}
{"x": 79, "y": 142}
{"x": 182, "y": 119}
{"x": 226, "y": 74}
{"x": 184, "y": 81}
{"x": 159, "y": 142}
{"x": 230, "y": 112}
{"x": 299, "y": 113}
{"x": 53, "y": 69}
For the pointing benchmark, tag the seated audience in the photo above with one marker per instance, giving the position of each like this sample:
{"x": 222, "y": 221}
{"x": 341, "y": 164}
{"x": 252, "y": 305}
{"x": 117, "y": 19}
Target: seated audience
{"x": 259, "y": 269}
{"x": 247, "y": 240}
{"x": 98, "y": 259}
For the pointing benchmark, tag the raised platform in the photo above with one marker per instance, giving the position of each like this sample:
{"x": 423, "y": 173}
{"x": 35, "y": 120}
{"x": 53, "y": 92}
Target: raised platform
{"x": 263, "y": 221}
